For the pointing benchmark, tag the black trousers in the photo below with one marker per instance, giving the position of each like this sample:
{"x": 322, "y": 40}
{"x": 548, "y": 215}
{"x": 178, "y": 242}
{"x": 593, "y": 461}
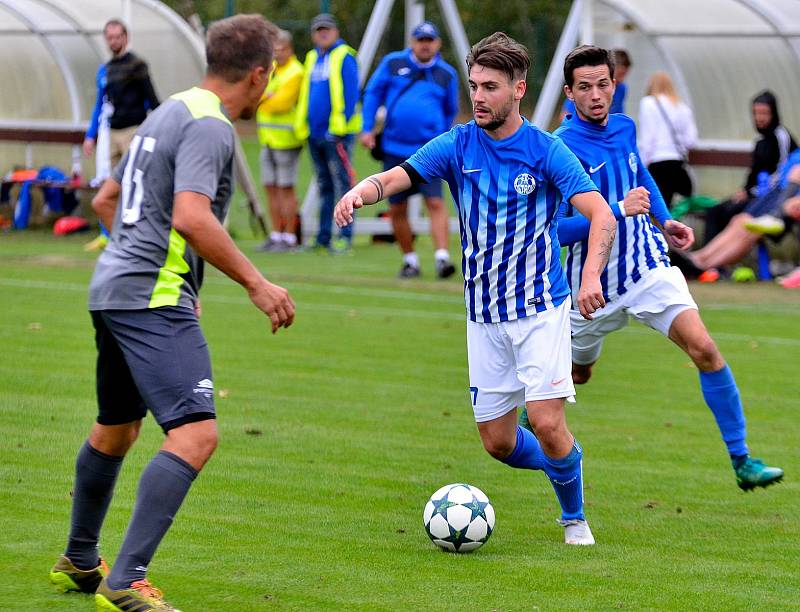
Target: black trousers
{"x": 671, "y": 177}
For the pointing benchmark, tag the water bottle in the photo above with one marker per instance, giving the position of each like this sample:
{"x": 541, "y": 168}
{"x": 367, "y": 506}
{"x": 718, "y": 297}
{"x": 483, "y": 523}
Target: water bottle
{"x": 762, "y": 187}
{"x": 762, "y": 184}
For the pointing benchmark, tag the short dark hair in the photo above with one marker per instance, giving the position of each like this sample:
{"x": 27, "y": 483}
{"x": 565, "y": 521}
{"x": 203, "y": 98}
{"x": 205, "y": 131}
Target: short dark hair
{"x": 236, "y": 45}
{"x": 621, "y": 58}
{"x": 586, "y": 55}
{"x": 115, "y": 22}
{"x": 500, "y": 52}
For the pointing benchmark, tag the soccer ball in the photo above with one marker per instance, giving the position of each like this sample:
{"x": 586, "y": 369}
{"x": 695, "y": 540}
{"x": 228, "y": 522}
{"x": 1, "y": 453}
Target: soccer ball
{"x": 459, "y": 518}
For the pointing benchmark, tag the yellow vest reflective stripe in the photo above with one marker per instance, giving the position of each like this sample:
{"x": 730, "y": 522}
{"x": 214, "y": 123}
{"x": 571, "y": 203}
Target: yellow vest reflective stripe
{"x": 276, "y": 130}
{"x": 338, "y": 125}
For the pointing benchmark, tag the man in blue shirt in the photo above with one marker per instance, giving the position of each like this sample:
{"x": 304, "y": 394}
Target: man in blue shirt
{"x": 639, "y": 280}
{"x": 420, "y": 92}
{"x": 507, "y": 179}
{"x": 96, "y": 142}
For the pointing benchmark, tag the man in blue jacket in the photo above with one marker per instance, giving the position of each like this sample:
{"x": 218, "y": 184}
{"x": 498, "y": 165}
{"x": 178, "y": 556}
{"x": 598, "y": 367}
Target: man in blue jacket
{"x": 420, "y": 93}
{"x": 97, "y": 142}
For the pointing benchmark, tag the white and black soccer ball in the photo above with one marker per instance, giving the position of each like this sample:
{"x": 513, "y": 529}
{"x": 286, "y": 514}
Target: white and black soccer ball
{"x": 459, "y": 518}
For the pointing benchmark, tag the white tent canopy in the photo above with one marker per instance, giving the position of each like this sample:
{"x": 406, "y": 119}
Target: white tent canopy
{"x": 51, "y": 51}
{"x": 720, "y": 53}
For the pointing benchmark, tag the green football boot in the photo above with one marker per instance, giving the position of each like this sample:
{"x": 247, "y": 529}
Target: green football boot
{"x": 753, "y": 473}
{"x": 523, "y": 420}
{"x": 66, "y": 577}
{"x": 140, "y": 597}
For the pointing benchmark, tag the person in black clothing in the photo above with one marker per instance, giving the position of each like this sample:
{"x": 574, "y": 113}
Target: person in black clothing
{"x": 129, "y": 89}
{"x": 769, "y": 154}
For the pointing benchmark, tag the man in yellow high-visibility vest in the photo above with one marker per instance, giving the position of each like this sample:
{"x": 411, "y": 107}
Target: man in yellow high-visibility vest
{"x": 281, "y": 147}
{"x": 329, "y": 116}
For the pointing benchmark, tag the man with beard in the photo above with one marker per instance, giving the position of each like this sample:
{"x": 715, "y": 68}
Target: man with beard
{"x": 175, "y": 185}
{"x": 125, "y": 95}
{"x": 507, "y": 179}
{"x": 129, "y": 90}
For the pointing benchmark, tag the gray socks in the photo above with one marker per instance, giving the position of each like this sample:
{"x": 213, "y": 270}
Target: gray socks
{"x": 162, "y": 488}
{"x": 95, "y": 476}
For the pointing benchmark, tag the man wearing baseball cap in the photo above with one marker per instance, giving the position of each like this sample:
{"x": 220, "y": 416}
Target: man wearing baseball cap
{"x": 328, "y": 115}
{"x": 420, "y": 93}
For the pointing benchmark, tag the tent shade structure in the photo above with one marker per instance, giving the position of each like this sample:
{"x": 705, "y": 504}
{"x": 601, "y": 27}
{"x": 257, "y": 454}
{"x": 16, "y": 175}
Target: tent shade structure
{"x": 720, "y": 53}
{"x": 51, "y": 50}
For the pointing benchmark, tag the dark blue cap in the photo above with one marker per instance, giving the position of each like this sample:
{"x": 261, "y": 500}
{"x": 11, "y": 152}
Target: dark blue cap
{"x": 425, "y": 30}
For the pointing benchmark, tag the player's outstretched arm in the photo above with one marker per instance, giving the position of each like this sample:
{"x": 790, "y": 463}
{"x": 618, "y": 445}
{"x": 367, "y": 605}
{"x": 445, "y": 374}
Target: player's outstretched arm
{"x": 192, "y": 218}
{"x": 576, "y": 228}
{"x": 104, "y": 203}
{"x": 369, "y": 191}
{"x": 602, "y": 231}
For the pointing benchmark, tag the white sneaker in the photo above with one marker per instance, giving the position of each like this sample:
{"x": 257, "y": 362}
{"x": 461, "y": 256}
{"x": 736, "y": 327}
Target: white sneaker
{"x": 577, "y": 532}
{"x": 766, "y": 224}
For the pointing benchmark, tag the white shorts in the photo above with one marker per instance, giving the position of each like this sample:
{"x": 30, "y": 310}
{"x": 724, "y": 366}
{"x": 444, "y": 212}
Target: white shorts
{"x": 514, "y": 362}
{"x": 658, "y": 297}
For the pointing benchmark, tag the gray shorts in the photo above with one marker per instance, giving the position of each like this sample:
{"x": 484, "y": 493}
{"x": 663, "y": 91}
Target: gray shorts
{"x": 279, "y": 166}
{"x": 154, "y": 360}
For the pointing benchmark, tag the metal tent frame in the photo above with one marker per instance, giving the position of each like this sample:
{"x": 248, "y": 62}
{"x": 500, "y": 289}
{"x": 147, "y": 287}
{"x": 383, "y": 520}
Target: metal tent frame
{"x": 376, "y": 27}
{"x": 580, "y": 28}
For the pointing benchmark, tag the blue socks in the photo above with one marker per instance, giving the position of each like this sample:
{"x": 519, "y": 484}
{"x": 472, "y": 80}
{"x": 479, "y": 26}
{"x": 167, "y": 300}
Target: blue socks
{"x": 95, "y": 476}
{"x": 162, "y": 488}
{"x": 565, "y": 474}
{"x": 528, "y": 453}
{"x": 722, "y": 396}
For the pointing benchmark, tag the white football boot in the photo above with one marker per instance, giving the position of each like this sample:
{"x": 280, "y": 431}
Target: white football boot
{"x": 577, "y": 532}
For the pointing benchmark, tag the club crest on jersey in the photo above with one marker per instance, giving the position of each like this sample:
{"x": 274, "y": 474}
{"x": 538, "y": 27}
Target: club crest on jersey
{"x": 524, "y": 184}
{"x": 633, "y": 163}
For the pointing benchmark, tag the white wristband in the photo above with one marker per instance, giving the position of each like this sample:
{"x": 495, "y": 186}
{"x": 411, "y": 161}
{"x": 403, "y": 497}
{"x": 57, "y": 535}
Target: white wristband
{"x": 621, "y": 205}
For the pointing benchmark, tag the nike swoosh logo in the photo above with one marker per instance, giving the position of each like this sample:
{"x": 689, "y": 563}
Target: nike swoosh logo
{"x": 555, "y": 383}
{"x": 594, "y": 169}
{"x": 465, "y": 171}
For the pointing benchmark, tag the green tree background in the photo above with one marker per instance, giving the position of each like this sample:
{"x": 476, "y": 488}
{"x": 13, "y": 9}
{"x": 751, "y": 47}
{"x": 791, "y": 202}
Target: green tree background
{"x": 535, "y": 23}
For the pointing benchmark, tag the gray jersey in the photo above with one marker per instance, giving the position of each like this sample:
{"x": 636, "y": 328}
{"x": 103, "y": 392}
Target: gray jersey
{"x": 186, "y": 144}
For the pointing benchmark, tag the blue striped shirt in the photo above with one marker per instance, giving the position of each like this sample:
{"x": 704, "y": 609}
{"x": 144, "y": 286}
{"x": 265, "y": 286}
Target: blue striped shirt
{"x": 610, "y": 156}
{"x": 507, "y": 193}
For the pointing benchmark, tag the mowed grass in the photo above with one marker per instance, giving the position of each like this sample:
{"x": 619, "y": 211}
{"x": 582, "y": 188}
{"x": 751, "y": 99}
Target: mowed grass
{"x": 335, "y": 432}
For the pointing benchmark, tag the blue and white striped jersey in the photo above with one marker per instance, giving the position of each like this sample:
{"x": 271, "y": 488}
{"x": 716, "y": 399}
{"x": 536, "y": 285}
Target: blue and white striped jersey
{"x": 610, "y": 156}
{"x": 507, "y": 195}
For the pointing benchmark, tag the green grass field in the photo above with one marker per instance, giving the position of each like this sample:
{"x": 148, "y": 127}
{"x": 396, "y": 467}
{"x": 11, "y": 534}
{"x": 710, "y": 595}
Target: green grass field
{"x": 335, "y": 432}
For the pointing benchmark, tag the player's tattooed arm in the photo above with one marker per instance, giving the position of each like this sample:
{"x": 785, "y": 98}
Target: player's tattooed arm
{"x": 369, "y": 191}
{"x": 378, "y": 187}
{"x": 602, "y": 231}
{"x": 608, "y": 234}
